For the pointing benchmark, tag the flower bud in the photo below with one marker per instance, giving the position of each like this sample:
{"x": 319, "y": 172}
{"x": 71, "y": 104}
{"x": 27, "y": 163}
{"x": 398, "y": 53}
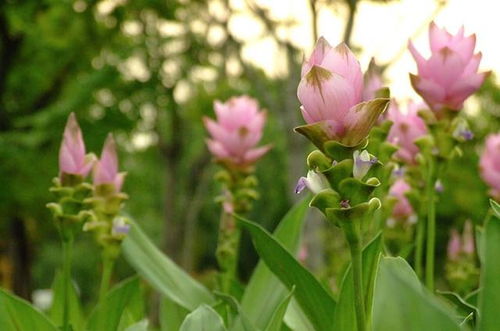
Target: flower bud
{"x": 237, "y": 131}
{"x": 454, "y": 245}
{"x": 106, "y": 168}
{"x": 489, "y": 164}
{"x": 404, "y": 130}
{"x": 450, "y": 75}
{"x": 363, "y": 161}
{"x": 315, "y": 182}
{"x": 72, "y": 159}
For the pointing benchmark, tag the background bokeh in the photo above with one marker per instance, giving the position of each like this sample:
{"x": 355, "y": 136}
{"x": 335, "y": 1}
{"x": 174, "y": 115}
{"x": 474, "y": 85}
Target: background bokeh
{"x": 148, "y": 70}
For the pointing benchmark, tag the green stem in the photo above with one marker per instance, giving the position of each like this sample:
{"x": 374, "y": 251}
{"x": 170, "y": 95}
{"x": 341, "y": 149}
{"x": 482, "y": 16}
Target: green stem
{"x": 357, "y": 273}
{"x": 419, "y": 249}
{"x": 227, "y": 250}
{"x": 107, "y": 270}
{"x": 67, "y": 247}
{"x": 431, "y": 227}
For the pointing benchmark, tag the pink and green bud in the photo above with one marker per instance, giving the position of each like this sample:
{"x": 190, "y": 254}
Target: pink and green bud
{"x": 106, "y": 168}
{"x": 331, "y": 94}
{"x": 72, "y": 158}
{"x": 404, "y": 130}
{"x": 489, "y": 165}
{"x": 454, "y": 245}
{"x": 237, "y": 131}
{"x": 403, "y": 209}
{"x": 450, "y": 75}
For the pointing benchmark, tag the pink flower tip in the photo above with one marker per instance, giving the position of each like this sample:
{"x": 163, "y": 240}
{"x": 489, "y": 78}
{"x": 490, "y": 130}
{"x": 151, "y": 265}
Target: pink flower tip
{"x": 72, "y": 158}
{"x": 106, "y": 168}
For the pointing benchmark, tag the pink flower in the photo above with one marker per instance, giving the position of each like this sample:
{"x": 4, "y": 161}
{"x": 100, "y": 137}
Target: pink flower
{"x": 373, "y": 81}
{"x": 450, "y": 75}
{"x": 403, "y": 208}
{"x": 72, "y": 158}
{"x": 106, "y": 168}
{"x": 489, "y": 164}
{"x": 331, "y": 94}
{"x": 405, "y": 129}
{"x": 237, "y": 131}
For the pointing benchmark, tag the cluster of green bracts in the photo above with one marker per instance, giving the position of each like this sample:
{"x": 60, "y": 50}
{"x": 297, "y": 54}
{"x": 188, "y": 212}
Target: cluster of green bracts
{"x": 82, "y": 206}
{"x": 238, "y": 194}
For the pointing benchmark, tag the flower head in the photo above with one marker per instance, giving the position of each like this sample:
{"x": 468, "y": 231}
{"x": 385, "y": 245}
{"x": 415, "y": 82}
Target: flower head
{"x": 315, "y": 182}
{"x": 489, "y": 164}
{"x": 237, "y": 131}
{"x": 450, "y": 75}
{"x": 72, "y": 158}
{"x": 461, "y": 245}
{"x": 404, "y": 130}
{"x": 403, "y": 208}
{"x": 331, "y": 94}
{"x": 106, "y": 168}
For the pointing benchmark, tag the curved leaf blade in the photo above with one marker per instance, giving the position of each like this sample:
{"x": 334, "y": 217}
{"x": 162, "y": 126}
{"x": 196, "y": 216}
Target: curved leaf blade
{"x": 264, "y": 291}
{"x": 313, "y": 298}
{"x": 162, "y": 273}
{"x": 402, "y": 303}
{"x": 17, "y": 314}
{"x": 203, "y": 318}
{"x": 489, "y": 297}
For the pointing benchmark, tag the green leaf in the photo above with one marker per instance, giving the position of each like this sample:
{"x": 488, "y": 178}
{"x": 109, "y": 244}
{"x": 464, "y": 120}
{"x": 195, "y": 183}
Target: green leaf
{"x": 489, "y": 297}
{"x": 18, "y": 315}
{"x": 203, "y": 318}
{"x": 106, "y": 315}
{"x": 139, "y": 326}
{"x": 462, "y": 307}
{"x": 76, "y": 319}
{"x": 264, "y": 291}
{"x": 163, "y": 274}
{"x": 496, "y": 207}
{"x": 402, "y": 303}
{"x": 296, "y": 319}
{"x": 171, "y": 315}
{"x": 278, "y": 315}
{"x": 313, "y": 298}
{"x": 345, "y": 317}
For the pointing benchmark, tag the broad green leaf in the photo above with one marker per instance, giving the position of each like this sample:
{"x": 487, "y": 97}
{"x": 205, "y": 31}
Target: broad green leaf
{"x": 139, "y": 326}
{"x": 496, "y": 207}
{"x": 296, "y": 319}
{"x": 134, "y": 311}
{"x": 313, "y": 298}
{"x": 402, "y": 303}
{"x": 171, "y": 315}
{"x": 279, "y": 314}
{"x": 264, "y": 291}
{"x": 345, "y": 317}
{"x": 163, "y": 274}
{"x": 75, "y": 310}
{"x": 489, "y": 297}
{"x": 18, "y": 315}
{"x": 106, "y": 315}
{"x": 230, "y": 306}
{"x": 203, "y": 318}
{"x": 462, "y": 307}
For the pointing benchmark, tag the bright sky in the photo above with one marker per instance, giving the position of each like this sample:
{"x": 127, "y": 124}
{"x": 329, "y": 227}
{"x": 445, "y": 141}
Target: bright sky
{"x": 382, "y": 30}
